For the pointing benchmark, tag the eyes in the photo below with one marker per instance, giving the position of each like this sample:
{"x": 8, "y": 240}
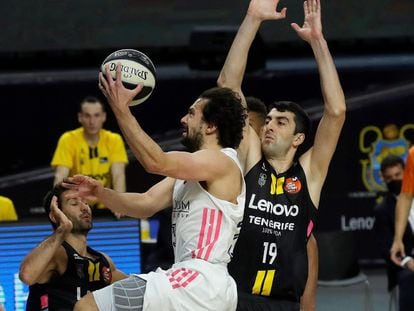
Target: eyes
{"x": 278, "y": 121}
{"x": 77, "y": 202}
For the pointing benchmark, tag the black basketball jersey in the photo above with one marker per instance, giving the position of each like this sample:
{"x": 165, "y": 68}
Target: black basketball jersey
{"x": 82, "y": 275}
{"x": 270, "y": 257}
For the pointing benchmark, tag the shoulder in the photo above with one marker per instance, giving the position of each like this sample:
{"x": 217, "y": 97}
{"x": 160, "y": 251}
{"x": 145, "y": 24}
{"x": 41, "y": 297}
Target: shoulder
{"x": 4, "y": 201}
{"x": 109, "y": 135}
{"x": 72, "y": 134}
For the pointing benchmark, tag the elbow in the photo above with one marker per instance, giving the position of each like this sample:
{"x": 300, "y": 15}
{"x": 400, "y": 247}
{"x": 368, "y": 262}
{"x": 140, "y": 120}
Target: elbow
{"x": 153, "y": 168}
{"x": 26, "y": 276}
{"x": 338, "y": 111}
{"x": 221, "y": 80}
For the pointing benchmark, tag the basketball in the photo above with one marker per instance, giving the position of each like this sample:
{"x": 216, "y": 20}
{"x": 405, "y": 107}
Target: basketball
{"x": 136, "y": 67}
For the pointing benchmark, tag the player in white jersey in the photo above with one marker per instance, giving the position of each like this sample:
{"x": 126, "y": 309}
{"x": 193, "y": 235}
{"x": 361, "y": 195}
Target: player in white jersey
{"x": 207, "y": 192}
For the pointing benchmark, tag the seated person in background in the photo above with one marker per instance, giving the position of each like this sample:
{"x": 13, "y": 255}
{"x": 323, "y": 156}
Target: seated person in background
{"x": 62, "y": 268}
{"x": 91, "y": 150}
{"x": 392, "y": 170}
{"x": 7, "y": 210}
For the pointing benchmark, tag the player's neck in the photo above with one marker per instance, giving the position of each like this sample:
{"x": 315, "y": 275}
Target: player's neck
{"x": 280, "y": 165}
{"x": 78, "y": 242}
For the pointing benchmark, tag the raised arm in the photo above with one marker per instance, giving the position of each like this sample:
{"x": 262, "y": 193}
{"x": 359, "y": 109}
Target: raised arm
{"x": 48, "y": 257}
{"x": 316, "y": 160}
{"x": 234, "y": 67}
{"x": 138, "y": 205}
{"x": 179, "y": 165}
{"x": 232, "y": 73}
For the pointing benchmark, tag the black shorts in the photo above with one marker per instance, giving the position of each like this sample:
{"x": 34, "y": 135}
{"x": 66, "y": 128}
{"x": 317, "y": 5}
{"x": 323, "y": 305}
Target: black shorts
{"x": 249, "y": 302}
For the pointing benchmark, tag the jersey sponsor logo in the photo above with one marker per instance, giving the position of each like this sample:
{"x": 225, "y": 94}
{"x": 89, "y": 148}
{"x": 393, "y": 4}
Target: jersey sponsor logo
{"x": 277, "y": 226}
{"x": 275, "y": 209}
{"x": 106, "y": 274}
{"x": 181, "y": 277}
{"x": 277, "y": 185}
{"x": 263, "y": 282}
{"x": 181, "y": 208}
{"x": 103, "y": 160}
{"x": 292, "y": 185}
{"x": 262, "y": 179}
{"x": 44, "y": 302}
{"x": 93, "y": 271}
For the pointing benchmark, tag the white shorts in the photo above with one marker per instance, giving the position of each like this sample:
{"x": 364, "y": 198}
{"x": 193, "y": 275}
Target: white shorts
{"x": 188, "y": 286}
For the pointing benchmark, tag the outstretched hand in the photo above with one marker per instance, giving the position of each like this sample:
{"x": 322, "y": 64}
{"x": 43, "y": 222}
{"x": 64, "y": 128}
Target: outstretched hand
{"x": 83, "y": 186}
{"x": 119, "y": 97}
{"x": 266, "y": 9}
{"x": 312, "y": 25}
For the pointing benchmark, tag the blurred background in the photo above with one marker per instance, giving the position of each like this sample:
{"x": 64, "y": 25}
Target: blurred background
{"x": 50, "y": 54}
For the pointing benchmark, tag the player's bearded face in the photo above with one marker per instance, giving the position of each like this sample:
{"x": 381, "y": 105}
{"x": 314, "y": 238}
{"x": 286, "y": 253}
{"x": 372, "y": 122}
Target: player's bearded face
{"x": 193, "y": 140}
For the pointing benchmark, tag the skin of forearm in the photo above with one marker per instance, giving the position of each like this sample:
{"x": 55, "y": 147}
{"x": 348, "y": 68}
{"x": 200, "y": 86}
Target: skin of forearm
{"x": 235, "y": 64}
{"x": 331, "y": 88}
{"x": 38, "y": 259}
{"x": 402, "y": 211}
{"x": 130, "y": 204}
{"x": 148, "y": 153}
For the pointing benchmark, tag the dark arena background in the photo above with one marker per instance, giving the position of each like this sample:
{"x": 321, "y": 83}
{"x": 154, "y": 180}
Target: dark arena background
{"x": 50, "y": 54}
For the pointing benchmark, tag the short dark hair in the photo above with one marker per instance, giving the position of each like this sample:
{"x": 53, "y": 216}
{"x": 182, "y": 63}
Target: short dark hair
{"x": 224, "y": 109}
{"x": 391, "y": 161}
{"x": 91, "y": 100}
{"x": 254, "y": 104}
{"x": 302, "y": 119}
{"x": 57, "y": 191}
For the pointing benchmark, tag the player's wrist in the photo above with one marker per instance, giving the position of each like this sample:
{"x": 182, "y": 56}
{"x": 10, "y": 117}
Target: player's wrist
{"x": 405, "y": 260}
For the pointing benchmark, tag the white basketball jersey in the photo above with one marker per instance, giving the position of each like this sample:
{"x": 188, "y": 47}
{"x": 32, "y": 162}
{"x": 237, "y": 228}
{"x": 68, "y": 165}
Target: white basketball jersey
{"x": 204, "y": 226}
{"x": 204, "y": 232}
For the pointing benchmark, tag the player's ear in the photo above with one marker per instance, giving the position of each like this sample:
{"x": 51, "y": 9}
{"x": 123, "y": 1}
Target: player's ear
{"x": 299, "y": 139}
{"x": 211, "y": 128}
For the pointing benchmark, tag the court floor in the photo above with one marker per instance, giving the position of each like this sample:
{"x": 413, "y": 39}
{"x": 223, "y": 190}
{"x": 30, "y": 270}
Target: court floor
{"x": 352, "y": 298}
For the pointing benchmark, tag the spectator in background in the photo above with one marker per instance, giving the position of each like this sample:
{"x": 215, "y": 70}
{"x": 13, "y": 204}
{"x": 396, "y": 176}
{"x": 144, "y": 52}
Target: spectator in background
{"x": 91, "y": 150}
{"x": 7, "y": 210}
{"x": 392, "y": 170}
{"x": 62, "y": 268}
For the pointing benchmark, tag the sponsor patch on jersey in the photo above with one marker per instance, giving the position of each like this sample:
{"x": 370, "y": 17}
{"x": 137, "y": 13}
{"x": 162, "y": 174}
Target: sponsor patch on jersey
{"x": 107, "y": 275}
{"x": 292, "y": 185}
{"x": 79, "y": 270}
{"x": 262, "y": 179}
{"x": 103, "y": 160}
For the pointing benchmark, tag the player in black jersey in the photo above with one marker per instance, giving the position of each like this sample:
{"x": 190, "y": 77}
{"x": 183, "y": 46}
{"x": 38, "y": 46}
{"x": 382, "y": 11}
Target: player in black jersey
{"x": 62, "y": 268}
{"x": 270, "y": 263}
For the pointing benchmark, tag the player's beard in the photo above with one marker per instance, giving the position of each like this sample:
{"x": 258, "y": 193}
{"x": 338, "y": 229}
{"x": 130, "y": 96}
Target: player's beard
{"x": 81, "y": 227}
{"x": 194, "y": 142}
{"x": 276, "y": 149}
